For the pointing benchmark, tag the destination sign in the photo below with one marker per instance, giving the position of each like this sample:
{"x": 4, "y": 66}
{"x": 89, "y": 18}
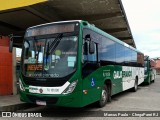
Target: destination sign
{"x": 34, "y": 67}
{"x": 50, "y": 29}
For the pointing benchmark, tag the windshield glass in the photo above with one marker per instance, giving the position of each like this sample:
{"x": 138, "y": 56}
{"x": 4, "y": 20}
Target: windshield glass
{"x": 51, "y": 57}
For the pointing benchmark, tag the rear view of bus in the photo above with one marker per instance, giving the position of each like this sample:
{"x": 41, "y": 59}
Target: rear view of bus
{"x": 150, "y": 72}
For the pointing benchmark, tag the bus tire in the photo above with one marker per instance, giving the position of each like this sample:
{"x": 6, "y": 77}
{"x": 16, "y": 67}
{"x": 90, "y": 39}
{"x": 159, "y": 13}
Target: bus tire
{"x": 154, "y": 78}
{"x": 134, "y": 89}
{"x": 149, "y": 81}
{"x": 109, "y": 94}
{"x": 104, "y": 97}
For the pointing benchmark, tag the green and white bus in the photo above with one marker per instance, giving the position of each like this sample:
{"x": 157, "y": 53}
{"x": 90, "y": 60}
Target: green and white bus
{"x": 73, "y": 64}
{"x": 150, "y": 72}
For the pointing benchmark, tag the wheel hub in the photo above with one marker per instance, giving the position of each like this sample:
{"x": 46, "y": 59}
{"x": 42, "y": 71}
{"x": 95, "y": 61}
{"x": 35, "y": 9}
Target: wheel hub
{"x": 104, "y": 96}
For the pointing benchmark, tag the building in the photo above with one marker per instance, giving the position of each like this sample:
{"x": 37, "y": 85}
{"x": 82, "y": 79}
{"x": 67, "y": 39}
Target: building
{"x": 157, "y": 66}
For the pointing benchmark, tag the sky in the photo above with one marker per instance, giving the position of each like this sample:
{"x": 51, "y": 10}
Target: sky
{"x": 144, "y": 21}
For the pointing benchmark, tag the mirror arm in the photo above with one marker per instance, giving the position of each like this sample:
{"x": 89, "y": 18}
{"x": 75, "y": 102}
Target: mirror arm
{"x": 11, "y": 37}
{"x": 10, "y": 43}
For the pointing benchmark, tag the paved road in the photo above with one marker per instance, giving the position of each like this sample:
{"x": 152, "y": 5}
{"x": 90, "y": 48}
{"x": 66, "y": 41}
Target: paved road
{"x": 147, "y": 98}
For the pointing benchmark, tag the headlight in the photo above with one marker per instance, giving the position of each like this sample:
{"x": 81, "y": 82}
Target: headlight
{"x": 21, "y": 85}
{"x": 70, "y": 88}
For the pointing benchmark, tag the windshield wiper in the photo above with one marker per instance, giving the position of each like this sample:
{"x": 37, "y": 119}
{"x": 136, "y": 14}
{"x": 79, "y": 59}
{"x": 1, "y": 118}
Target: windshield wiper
{"x": 47, "y": 53}
{"x": 53, "y": 45}
{"x": 37, "y": 50}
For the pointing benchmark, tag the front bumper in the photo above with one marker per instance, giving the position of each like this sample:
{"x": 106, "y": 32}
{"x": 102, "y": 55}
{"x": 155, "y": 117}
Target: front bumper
{"x": 69, "y": 100}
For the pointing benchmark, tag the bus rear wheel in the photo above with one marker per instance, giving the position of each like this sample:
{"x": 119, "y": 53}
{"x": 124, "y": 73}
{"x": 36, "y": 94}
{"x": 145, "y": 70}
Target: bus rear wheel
{"x": 149, "y": 80}
{"x": 104, "y": 97}
{"x": 154, "y": 79}
{"x": 134, "y": 89}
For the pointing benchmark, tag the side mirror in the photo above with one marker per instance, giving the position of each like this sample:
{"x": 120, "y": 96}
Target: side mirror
{"x": 11, "y": 41}
{"x": 91, "y": 47}
{"x": 91, "y": 44}
{"x": 85, "y": 48}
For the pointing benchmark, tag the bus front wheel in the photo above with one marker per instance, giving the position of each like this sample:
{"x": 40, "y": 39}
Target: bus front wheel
{"x": 104, "y": 97}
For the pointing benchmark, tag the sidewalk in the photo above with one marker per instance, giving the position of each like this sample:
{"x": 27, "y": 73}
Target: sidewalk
{"x": 12, "y": 103}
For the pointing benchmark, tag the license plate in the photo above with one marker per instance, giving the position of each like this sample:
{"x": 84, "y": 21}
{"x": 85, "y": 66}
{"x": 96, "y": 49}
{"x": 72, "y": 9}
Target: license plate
{"x": 40, "y": 102}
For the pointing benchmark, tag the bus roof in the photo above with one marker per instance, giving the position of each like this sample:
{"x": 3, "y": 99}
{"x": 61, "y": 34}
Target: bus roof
{"x": 93, "y": 27}
{"x": 55, "y": 23}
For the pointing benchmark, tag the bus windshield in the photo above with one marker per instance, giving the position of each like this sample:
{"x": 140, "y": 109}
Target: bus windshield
{"x": 54, "y": 57}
